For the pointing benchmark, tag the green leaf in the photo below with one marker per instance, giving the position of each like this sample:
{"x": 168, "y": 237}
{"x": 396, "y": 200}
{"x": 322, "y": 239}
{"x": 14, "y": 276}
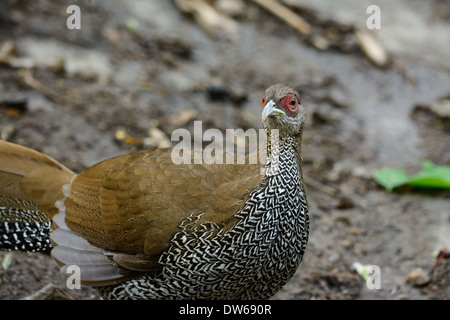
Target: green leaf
{"x": 431, "y": 176}
{"x": 390, "y": 178}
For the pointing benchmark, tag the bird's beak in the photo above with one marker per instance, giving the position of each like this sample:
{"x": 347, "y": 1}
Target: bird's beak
{"x": 270, "y": 110}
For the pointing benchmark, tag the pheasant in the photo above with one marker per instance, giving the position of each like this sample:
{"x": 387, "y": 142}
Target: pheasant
{"x": 139, "y": 226}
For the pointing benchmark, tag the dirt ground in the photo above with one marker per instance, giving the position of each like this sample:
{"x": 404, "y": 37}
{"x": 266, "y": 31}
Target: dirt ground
{"x": 139, "y": 69}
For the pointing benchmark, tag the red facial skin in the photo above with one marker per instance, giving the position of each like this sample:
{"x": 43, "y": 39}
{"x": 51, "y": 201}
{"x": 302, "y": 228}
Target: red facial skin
{"x": 288, "y": 104}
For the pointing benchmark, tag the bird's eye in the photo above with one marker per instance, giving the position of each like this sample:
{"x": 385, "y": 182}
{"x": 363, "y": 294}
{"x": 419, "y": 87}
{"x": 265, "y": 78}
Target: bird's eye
{"x": 263, "y": 101}
{"x": 293, "y": 104}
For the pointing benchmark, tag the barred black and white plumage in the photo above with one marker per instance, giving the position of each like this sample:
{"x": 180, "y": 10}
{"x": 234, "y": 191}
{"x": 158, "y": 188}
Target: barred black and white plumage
{"x": 23, "y": 226}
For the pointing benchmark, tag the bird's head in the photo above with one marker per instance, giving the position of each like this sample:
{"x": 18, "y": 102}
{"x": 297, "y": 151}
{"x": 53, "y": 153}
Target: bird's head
{"x": 282, "y": 110}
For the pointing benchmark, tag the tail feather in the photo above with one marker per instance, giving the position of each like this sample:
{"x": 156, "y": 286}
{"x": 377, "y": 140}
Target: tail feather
{"x": 30, "y": 185}
{"x": 29, "y": 175}
{"x": 32, "y": 218}
{"x": 97, "y": 266}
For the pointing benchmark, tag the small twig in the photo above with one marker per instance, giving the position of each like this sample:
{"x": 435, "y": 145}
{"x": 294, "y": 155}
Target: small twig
{"x": 43, "y": 294}
{"x": 320, "y": 186}
{"x": 28, "y": 79}
{"x": 285, "y": 14}
{"x": 371, "y": 48}
{"x": 209, "y": 18}
{"x": 49, "y": 292}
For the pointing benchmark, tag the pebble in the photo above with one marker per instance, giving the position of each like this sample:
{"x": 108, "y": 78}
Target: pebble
{"x": 418, "y": 277}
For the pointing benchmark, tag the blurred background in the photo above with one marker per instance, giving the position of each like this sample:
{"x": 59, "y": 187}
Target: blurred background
{"x": 375, "y": 85}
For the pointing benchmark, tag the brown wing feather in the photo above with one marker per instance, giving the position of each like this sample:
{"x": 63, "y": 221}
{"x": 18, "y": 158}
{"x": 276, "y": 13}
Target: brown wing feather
{"x": 135, "y": 203}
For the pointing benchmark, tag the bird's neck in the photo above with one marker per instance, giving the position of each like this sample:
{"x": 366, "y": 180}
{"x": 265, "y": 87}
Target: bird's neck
{"x": 281, "y": 150}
